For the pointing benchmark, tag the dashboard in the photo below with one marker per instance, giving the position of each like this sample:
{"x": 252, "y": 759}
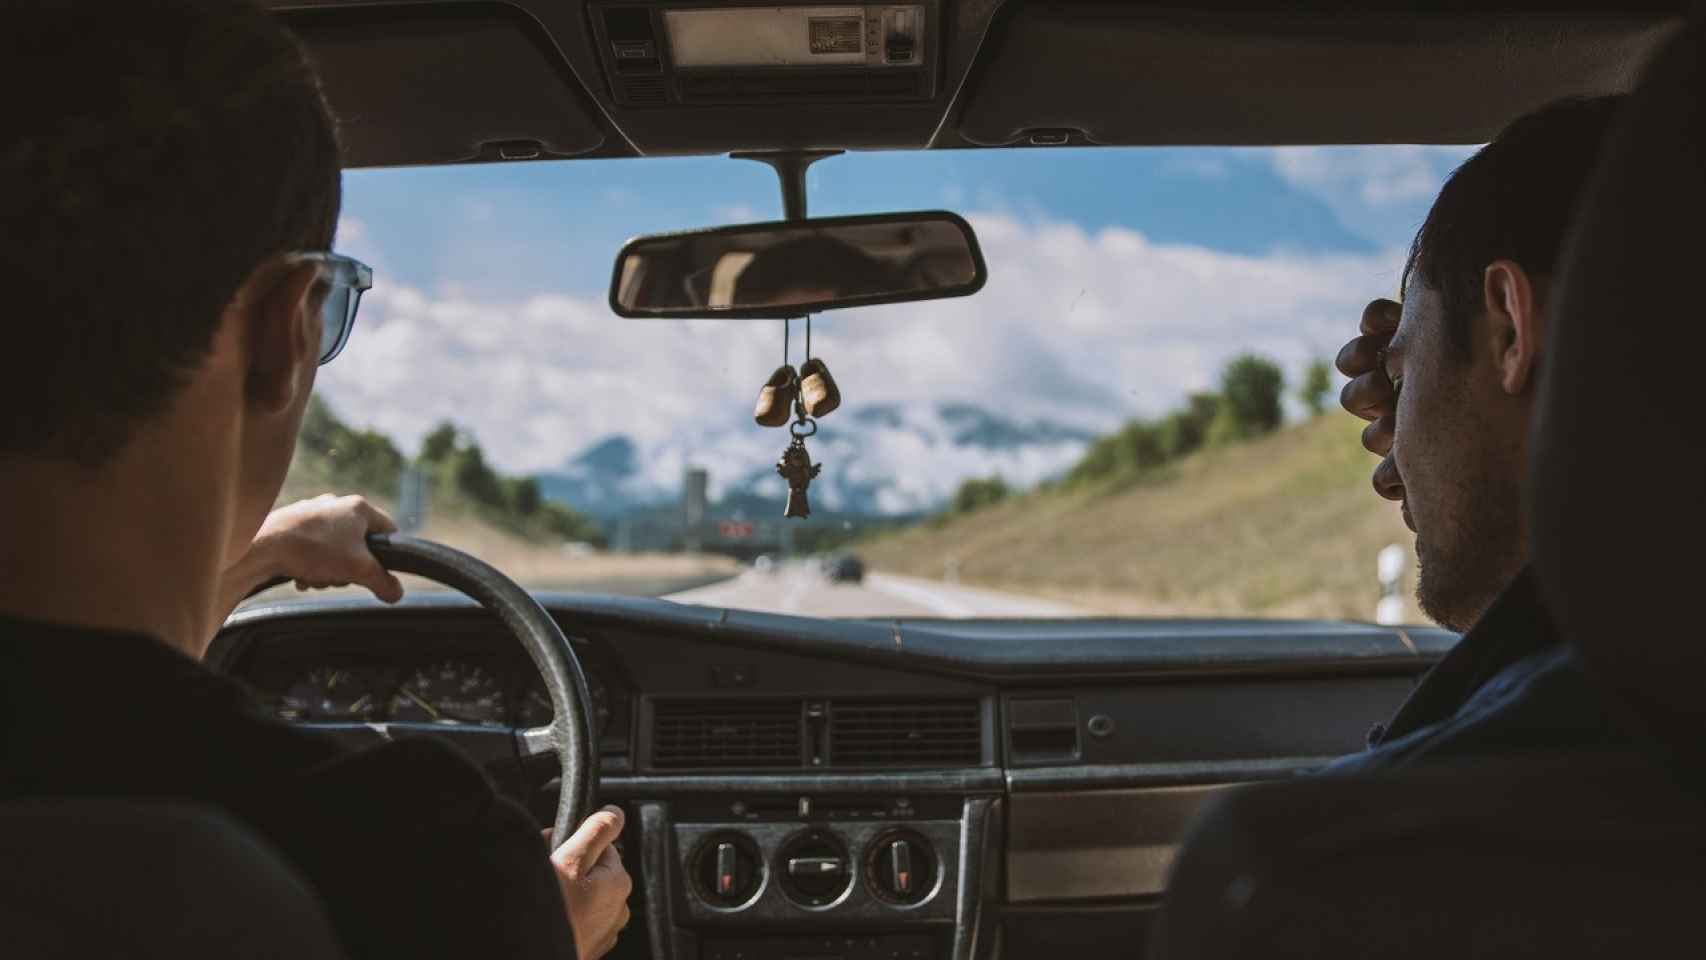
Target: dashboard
{"x": 859, "y": 789}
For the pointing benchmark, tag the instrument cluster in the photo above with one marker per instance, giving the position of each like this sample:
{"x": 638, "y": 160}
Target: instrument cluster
{"x": 461, "y": 691}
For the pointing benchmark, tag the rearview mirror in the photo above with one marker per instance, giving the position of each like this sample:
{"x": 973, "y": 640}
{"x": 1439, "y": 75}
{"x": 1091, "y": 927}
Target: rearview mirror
{"x": 794, "y": 267}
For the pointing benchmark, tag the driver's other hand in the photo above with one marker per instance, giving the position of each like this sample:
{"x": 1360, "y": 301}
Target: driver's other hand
{"x": 1369, "y": 393}
{"x": 595, "y": 884}
{"x": 323, "y": 543}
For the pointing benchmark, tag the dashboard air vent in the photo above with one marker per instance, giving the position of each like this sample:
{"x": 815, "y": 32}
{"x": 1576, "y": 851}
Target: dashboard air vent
{"x": 894, "y": 733}
{"x": 726, "y": 734}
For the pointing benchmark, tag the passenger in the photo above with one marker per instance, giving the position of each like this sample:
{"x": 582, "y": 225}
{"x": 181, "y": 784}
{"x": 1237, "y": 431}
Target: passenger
{"x": 1448, "y": 381}
{"x": 170, "y": 188}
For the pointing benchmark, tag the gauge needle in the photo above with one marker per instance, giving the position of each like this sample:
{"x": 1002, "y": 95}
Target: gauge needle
{"x": 431, "y": 711}
{"x": 358, "y": 706}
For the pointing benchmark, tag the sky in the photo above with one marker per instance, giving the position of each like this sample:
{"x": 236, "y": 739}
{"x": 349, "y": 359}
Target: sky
{"x": 1120, "y": 280}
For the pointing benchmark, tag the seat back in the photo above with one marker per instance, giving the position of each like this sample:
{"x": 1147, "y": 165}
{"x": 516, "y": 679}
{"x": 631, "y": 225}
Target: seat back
{"x": 1549, "y": 856}
{"x": 108, "y": 878}
{"x": 1619, "y": 448}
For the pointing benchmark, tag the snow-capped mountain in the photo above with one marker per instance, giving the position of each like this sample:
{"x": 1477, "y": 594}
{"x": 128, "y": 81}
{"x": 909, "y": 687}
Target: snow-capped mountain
{"x": 884, "y": 459}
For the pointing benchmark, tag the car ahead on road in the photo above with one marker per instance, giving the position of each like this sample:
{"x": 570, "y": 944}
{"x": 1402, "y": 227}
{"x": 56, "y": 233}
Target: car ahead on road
{"x": 843, "y": 568}
{"x": 843, "y": 781}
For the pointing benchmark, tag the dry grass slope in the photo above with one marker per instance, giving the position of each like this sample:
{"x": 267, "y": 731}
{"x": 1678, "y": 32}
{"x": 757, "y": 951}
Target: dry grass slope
{"x": 1284, "y": 526}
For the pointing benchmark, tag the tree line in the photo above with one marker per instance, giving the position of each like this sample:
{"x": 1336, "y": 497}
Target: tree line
{"x": 1249, "y": 404}
{"x": 455, "y": 468}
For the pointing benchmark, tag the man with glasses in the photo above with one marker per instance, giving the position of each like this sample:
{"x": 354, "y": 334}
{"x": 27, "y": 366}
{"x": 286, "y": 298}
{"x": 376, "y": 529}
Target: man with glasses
{"x": 170, "y": 189}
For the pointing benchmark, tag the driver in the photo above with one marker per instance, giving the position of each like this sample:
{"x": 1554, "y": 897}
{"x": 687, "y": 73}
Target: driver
{"x": 170, "y": 188}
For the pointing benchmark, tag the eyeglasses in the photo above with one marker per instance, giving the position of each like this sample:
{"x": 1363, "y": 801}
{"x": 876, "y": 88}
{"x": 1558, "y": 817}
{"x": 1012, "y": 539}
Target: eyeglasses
{"x": 347, "y": 279}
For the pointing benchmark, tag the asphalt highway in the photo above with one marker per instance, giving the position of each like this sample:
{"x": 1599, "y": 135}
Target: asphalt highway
{"x": 802, "y": 589}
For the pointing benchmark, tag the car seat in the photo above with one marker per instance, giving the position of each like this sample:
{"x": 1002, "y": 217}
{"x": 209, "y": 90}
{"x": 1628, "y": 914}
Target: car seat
{"x": 149, "y": 879}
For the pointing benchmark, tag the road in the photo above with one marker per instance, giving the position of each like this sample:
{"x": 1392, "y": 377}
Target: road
{"x": 801, "y": 589}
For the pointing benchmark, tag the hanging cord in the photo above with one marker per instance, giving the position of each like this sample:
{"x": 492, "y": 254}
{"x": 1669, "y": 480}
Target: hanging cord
{"x": 808, "y": 337}
{"x": 787, "y": 324}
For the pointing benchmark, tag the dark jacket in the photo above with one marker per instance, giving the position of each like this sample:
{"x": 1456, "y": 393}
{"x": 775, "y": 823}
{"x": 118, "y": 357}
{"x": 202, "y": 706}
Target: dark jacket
{"x": 408, "y": 845}
{"x": 1511, "y": 684}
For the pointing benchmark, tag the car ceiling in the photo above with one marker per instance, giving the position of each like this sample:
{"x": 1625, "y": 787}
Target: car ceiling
{"x": 452, "y": 81}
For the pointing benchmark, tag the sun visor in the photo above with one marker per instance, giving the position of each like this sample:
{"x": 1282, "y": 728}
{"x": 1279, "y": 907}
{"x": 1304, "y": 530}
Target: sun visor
{"x": 1141, "y": 77}
{"x": 446, "y": 83}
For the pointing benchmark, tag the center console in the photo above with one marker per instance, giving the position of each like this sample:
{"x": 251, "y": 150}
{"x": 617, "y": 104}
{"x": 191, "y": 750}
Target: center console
{"x": 876, "y": 876}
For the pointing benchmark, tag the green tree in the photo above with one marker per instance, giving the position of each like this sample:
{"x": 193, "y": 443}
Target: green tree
{"x": 525, "y": 497}
{"x": 474, "y": 479}
{"x": 1317, "y": 384}
{"x": 979, "y": 492}
{"x": 1250, "y": 388}
{"x": 1186, "y": 430}
{"x": 439, "y": 444}
{"x": 1137, "y": 447}
{"x": 364, "y": 460}
{"x": 569, "y": 525}
{"x": 319, "y": 426}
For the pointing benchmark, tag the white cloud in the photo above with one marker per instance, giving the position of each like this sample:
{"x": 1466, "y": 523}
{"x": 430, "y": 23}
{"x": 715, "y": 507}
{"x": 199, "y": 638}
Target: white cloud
{"x": 1372, "y": 190}
{"x": 1079, "y": 327}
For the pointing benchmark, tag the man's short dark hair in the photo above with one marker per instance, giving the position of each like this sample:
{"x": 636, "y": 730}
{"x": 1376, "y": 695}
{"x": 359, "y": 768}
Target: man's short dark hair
{"x": 1512, "y": 200}
{"x": 153, "y": 154}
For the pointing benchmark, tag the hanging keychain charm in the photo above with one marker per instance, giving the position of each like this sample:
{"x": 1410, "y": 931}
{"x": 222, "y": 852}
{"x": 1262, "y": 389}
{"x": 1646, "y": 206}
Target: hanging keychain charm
{"x": 797, "y": 468}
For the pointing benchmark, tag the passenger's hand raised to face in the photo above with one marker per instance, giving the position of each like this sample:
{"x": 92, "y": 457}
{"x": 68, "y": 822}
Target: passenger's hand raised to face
{"x": 1369, "y": 393}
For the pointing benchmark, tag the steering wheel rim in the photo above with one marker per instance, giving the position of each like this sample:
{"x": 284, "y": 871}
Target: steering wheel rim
{"x": 570, "y": 733}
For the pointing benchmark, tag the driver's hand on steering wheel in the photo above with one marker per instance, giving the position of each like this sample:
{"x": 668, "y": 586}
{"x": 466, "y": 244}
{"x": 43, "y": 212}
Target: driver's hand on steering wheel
{"x": 318, "y": 543}
{"x": 595, "y": 885}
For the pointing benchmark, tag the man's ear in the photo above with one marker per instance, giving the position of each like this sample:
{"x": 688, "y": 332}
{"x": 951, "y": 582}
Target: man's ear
{"x": 281, "y": 334}
{"x": 1516, "y": 323}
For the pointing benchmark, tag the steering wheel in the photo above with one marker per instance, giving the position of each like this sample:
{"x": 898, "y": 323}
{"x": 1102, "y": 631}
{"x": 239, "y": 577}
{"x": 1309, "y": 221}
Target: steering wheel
{"x": 570, "y": 732}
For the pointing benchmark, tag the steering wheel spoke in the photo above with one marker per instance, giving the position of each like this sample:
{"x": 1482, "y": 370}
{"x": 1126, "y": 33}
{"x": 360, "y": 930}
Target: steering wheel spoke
{"x": 569, "y": 734}
{"x": 536, "y": 741}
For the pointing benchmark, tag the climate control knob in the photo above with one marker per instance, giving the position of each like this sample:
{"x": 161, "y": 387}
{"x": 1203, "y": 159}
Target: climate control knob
{"x": 727, "y": 870}
{"x": 815, "y": 867}
{"x": 901, "y": 868}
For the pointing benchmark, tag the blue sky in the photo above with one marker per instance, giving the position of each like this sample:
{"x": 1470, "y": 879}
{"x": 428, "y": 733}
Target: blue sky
{"x": 1120, "y": 280}
{"x": 559, "y": 224}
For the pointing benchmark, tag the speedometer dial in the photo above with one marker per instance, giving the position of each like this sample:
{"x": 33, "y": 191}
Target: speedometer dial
{"x": 330, "y": 693}
{"x": 536, "y": 710}
{"x": 451, "y": 691}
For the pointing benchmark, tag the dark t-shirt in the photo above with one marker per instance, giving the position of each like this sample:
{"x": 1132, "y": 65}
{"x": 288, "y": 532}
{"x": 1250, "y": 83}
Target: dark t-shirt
{"x": 410, "y": 847}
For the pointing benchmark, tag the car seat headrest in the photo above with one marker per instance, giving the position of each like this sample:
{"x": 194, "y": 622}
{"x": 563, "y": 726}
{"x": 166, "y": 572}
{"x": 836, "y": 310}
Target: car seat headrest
{"x": 1618, "y": 452}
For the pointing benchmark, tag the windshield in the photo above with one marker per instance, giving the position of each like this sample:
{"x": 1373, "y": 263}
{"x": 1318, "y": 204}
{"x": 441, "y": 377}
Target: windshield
{"x": 1135, "y": 417}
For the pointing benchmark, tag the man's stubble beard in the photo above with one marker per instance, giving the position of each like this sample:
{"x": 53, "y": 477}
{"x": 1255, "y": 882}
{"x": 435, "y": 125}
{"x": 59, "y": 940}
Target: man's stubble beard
{"x": 1468, "y": 562}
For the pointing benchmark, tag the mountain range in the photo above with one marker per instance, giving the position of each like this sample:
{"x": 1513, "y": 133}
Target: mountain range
{"x": 878, "y": 460}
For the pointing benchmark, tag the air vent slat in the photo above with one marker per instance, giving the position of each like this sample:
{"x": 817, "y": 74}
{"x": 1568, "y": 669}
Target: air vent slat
{"x": 723, "y": 734}
{"x": 897, "y": 733}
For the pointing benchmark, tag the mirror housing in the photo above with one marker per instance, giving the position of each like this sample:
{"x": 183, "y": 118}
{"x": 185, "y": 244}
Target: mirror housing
{"x": 789, "y": 268}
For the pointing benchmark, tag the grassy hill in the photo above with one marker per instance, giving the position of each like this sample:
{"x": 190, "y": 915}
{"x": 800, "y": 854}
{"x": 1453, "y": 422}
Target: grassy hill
{"x": 1286, "y": 525}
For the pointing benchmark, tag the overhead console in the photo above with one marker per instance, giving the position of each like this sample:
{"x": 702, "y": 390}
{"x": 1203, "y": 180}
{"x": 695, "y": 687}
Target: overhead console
{"x": 686, "y": 76}
{"x": 658, "y": 55}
